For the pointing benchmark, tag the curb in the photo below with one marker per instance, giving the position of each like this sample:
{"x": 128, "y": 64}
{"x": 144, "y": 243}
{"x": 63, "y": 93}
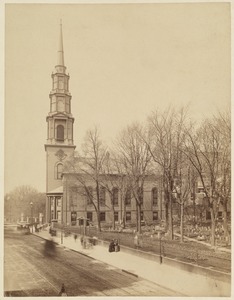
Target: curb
{"x": 130, "y": 273}
{"x": 82, "y": 253}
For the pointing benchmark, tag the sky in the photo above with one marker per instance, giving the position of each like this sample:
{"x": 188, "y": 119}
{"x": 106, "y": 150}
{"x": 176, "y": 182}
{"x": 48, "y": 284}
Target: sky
{"x": 124, "y": 61}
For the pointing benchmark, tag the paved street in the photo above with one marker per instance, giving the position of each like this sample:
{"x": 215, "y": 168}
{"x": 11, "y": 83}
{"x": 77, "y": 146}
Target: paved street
{"x": 27, "y": 272}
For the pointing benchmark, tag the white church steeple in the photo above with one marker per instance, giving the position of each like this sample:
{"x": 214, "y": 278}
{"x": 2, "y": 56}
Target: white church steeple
{"x": 59, "y": 145}
{"x": 60, "y": 120}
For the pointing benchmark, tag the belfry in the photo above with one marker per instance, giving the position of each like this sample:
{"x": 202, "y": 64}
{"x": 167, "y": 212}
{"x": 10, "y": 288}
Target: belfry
{"x": 59, "y": 145}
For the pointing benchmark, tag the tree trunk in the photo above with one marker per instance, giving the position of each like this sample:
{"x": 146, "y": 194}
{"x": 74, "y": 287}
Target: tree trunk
{"x": 225, "y": 224}
{"x": 212, "y": 237}
{"x": 139, "y": 218}
{"x": 124, "y": 214}
{"x": 113, "y": 212}
{"x": 182, "y": 222}
{"x": 167, "y": 209}
{"x": 170, "y": 221}
{"x": 98, "y": 207}
{"x": 98, "y": 221}
{"x": 121, "y": 210}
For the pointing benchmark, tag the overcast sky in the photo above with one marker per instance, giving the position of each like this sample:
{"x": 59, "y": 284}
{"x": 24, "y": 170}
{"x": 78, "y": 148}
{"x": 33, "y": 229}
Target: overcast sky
{"x": 124, "y": 61}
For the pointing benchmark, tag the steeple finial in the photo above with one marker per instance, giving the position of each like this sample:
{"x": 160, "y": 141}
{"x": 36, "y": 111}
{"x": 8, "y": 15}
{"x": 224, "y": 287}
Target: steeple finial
{"x": 60, "y": 49}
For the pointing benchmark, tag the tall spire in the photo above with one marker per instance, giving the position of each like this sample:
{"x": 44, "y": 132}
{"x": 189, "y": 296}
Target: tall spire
{"x": 60, "y": 49}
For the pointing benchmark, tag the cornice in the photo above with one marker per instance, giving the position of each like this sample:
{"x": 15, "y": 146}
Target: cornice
{"x": 59, "y": 146}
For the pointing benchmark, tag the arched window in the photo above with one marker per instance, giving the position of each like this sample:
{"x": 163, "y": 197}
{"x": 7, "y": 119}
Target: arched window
{"x": 154, "y": 196}
{"x": 59, "y": 171}
{"x": 115, "y": 193}
{"x": 60, "y": 133}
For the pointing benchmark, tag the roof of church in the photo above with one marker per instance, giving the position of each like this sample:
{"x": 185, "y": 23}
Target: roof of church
{"x": 58, "y": 190}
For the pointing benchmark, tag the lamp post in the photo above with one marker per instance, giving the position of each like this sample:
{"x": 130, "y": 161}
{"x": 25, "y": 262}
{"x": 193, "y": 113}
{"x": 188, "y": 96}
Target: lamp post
{"x": 31, "y": 204}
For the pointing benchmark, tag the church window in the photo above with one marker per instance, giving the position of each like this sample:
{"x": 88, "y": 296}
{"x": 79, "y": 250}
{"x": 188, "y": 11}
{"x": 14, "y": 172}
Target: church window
{"x": 102, "y": 216}
{"x": 102, "y": 196}
{"x": 60, "y": 133}
{"x": 154, "y": 196}
{"x": 89, "y": 195}
{"x": 128, "y": 216}
{"x": 59, "y": 171}
{"x": 116, "y": 216}
{"x": 128, "y": 197}
{"x": 155, "y": 216}
{"x": 115, "y": 192}
{"x": 90, "y": 216}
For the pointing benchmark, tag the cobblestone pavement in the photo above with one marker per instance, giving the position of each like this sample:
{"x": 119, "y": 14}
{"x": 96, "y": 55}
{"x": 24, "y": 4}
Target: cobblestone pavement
{"x": 28, "y": 272}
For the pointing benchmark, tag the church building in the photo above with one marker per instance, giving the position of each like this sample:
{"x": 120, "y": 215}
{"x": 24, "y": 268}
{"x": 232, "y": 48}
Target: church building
{"x": 65, "y": 203}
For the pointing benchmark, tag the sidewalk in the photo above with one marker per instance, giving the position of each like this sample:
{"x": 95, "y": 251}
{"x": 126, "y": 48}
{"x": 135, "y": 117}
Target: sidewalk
{"x": 182, "y": 282}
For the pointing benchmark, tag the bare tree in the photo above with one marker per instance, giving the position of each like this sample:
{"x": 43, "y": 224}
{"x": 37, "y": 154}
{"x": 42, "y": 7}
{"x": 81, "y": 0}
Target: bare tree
{"x": 123, "y": 183}
{"x": 182, "y": 189}
{"x": 135, "y": 158}
{"x": 117, "y": 178}
{"x": 222, "y": 127}
{"x": 211, "y": 158}
{"x": 88, "y": 169}
{"x": 114, "y": 180}
{"x": 166, "y": 132}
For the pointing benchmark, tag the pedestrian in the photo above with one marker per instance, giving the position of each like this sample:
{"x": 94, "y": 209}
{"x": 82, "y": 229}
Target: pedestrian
{"x": 75, "y": 237}
{"x": 62, "y": 292}
{"x": 136, "y": 242}
{"x": 117, "y": 246}
{"x": 112, "y": 246}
